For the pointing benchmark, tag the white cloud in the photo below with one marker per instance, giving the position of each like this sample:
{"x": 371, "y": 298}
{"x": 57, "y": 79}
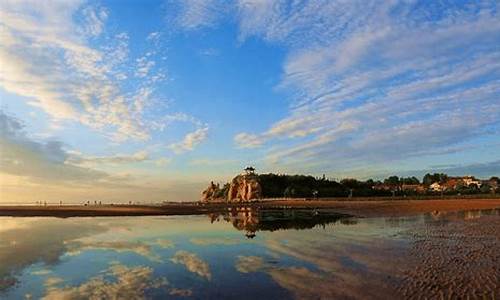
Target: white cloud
{"x": 153, "y": 36}
{"x": 164, "y": 243}
{"x": 47, "y": 57}
{"x": 195, "y": 14}
{"x": 209, "y": 52}
{"x": 163, "y": 161}
{"x": 330, "y": 275}
{"x": 377, "y": 81}
{"x": 144, "y": 66}
{"x": 249, "y": 264}
{"x": 190, "y": 141}
{"x": 162, "y": 123}
{"x": 42, "y": 272}
{"x": 95, "y": 17}
{"x": 79, "y": 159}
{"x": 193, "y": 263}
{"x": 128, "y": 283}
{"x": 76, "y": 247}
{"x": 53, "y": 281}
{"x": 213, "y": 162}
{"x": 215, "y": 241}
{"x": 51, "y": 162}
{"x": 245, "y": 140}
{"x": 35, "y": 242}
{"x": 38, "y": 160}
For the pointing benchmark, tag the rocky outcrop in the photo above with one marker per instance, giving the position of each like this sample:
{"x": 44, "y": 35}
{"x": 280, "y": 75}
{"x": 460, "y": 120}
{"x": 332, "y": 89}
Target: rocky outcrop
{"x": 244, "y": 187}
{"x": 211, "y": 193}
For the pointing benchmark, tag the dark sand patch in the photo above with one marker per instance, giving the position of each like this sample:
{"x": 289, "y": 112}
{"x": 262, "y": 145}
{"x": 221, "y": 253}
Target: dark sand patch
{"x": 458, "y": 259}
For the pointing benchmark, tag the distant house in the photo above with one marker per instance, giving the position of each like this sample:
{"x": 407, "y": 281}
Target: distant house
{"x": 383, "y": 187}
{"x": 451, "y": 184}
{"x": 436, "y": 187}
{"x": 471, "y": 180}
{"x": 493, "y": 184}
{"x": 418, "y": 188}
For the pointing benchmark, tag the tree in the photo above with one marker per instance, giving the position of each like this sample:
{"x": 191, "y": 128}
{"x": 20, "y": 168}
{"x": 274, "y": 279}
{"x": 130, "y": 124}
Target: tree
{"x": 428, "y": 179}
{"x": 350, "y": 183}
{"x": 485, "y": 188}
{"x": 392, "y": 180}
{"x": 289, "y": 192}
{"x": 436, "y": 177}
{"x": 222, "y": 193}
{"x": 410, "y": 180}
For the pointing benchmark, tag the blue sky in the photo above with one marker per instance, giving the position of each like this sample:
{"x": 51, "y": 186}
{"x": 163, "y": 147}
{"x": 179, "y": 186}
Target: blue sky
{"x": 117, "y": 99}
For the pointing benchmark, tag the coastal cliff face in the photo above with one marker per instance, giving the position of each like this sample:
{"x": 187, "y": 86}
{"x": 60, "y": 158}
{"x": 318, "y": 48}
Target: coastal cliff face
{"x": 244, "y": 187}
{"x": 211, "y": 193}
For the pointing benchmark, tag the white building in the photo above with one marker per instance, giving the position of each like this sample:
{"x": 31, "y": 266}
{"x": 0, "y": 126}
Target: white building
{"x": 468, "y": 180}
{"x": 436, "y": 187}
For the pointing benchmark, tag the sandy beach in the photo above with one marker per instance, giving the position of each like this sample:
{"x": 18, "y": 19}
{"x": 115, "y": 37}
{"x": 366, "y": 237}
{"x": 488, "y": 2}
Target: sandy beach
{"x": 457, "y": 260}
{"x": 359, "y": 208}
{"x": 394, "y": 208}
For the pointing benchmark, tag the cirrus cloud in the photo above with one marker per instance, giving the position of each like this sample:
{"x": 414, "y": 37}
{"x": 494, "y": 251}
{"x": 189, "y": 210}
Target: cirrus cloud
{"x": 190, "y": 141}
{"x": 407, "y": 77}
{"x": 380, "y": 82}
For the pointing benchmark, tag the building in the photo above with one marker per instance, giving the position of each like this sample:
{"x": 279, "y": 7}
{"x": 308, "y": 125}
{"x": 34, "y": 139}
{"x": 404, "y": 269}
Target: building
{"x": 471, "y": 180}
{"x": 436, "y": 187}
{"x": 493, "y": 184}
{"x": 451, "y": 184}
{"x": 384, "y": 187}
{"x": 249, "y": 170}
{"x": 417, "y": 188}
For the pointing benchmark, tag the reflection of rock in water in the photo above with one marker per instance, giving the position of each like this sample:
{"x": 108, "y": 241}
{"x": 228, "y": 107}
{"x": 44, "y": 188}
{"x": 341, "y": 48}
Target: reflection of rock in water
{"x": 252, "y": 220}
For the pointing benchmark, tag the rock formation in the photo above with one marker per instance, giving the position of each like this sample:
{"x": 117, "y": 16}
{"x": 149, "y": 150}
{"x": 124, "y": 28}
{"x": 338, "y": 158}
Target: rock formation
{"x": 211, "y": 193}
{"x": 244, "y": 187}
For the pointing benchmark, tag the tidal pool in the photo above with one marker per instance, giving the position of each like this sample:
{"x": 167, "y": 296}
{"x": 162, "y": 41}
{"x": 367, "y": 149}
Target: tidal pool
{"x": 244, "y": 254}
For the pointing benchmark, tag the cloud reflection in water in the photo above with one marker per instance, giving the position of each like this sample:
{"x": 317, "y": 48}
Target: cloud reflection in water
{"x": 302, "y": 254}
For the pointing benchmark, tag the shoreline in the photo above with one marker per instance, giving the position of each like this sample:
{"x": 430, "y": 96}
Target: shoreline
{"x": 357, "y": 208}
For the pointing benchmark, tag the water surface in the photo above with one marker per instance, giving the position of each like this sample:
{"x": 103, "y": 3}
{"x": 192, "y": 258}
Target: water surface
{"x": 246, "y": 254}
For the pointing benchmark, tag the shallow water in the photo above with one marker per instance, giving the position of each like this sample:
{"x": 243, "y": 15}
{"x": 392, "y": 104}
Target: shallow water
{"x": 241, "y": 254}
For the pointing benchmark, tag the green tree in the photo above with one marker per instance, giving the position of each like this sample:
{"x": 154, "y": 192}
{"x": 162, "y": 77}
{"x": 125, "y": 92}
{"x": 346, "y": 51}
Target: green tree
{"x": 436, "y": 177}
{"x": 485, "y": 188}
{"x": 222, "y": 193}
{"x": 428, "y": 179}
{"x": 410, "y": 180}
{"x": 392, "y": 180}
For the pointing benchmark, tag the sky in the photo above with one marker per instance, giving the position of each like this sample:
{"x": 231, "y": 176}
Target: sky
{"x": 119, "y": 101}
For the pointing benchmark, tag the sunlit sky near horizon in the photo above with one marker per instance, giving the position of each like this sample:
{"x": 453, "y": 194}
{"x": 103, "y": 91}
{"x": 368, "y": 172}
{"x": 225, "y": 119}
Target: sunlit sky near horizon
{"x": 150, "y": 100}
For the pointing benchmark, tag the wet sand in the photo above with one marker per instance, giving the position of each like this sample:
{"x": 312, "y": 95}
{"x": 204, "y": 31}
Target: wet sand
{"x": 66, "y": 211}
{"x": 459, "y": 259}
{"x": 359, "y": 208}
